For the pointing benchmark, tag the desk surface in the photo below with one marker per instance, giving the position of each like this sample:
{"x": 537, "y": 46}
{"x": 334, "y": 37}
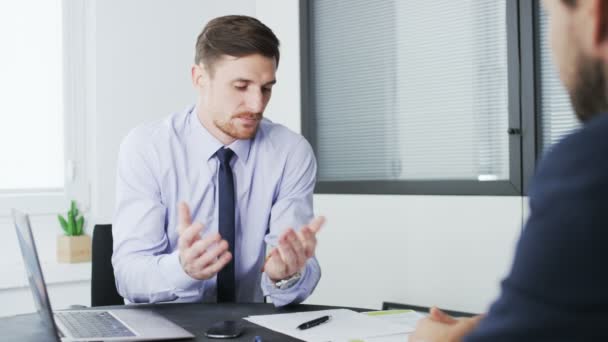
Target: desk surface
{"x": 195, "y": 318}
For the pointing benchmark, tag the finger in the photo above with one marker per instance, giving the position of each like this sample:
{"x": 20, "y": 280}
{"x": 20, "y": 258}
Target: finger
{"x": 211, "y": 255}
{"x": 428, "y": 330}
{"x": 296, "y": 245}
{"x": 184, "y": 220}
{"x": 273, "y": 253}
{"x": 316, "y": 224}
{"x": 283, "y": 234}
{"x": 473, "y": 321}
{"x": 287, "y": 255}
{"x": 213, "y": 268}
{"x": 309, "y": 241}
{"x": 209, "y": 241}
{"x": 416, "y": 336}
{"x": 439, "y": 316}
{"x": 190, "y": 235}
{"x": 199, "y": 247}
{"x": 464, "y": 326}
{"x": 276, "y": 262}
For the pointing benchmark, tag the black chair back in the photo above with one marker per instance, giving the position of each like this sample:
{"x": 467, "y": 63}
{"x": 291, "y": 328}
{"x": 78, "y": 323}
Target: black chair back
{"x": 103, "y": 283}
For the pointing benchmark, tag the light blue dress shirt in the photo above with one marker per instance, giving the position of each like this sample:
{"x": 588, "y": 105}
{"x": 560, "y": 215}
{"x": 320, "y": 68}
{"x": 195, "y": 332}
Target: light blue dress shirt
{"x": 163, "y": 163}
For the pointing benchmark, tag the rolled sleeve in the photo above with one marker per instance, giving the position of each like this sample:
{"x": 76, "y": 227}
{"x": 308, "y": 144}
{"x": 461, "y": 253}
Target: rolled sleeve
{"x": 299, "y": 291}
{"x": 294, "y": 208}
{"x": 146, "y": 269}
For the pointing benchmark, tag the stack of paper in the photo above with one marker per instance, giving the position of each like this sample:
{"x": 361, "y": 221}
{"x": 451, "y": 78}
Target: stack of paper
{"x": 344, "y": 325}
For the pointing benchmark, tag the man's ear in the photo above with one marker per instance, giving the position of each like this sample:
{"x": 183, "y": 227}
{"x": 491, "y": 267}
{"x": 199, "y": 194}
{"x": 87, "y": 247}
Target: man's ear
{"x": 600, "y": 31}
{"x": 197, "y": 73}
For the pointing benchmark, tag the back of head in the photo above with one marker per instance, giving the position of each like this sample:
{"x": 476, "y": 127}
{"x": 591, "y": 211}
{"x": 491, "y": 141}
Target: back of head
{"x": 237, "y": 36}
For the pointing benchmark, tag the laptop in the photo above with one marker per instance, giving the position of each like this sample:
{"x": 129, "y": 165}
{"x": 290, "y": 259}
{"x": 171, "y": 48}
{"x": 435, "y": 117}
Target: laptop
{"x": 129, "y": 324}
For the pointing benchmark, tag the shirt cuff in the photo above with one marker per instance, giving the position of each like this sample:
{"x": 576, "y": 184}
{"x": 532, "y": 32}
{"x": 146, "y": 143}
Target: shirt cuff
{"x": 292, "y": 295}
{"x": 174, "y": 273}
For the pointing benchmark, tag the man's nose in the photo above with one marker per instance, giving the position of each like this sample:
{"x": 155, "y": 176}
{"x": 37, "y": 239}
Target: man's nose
{"x": 255, "y": 102}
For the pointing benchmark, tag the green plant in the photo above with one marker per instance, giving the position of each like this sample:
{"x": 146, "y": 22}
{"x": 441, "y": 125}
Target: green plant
{"x": 74, "y": 224}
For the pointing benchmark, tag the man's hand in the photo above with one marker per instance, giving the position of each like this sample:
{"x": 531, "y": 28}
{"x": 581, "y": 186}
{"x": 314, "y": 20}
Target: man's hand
{"x": 293, "y": 251}
{"x": 440, "y": 327}
{"x": 200, "y": 258}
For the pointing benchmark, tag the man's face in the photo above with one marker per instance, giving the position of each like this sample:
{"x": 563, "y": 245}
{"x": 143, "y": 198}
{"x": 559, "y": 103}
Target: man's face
{"x": 234, "y": 94}
{"x": 572, "y": 41}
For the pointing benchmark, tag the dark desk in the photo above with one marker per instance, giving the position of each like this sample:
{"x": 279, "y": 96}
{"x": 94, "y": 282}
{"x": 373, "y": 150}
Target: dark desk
{"x": 195, "y": 318}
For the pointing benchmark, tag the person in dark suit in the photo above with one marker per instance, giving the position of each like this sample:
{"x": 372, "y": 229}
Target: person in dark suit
{"x": 557, "y": 289}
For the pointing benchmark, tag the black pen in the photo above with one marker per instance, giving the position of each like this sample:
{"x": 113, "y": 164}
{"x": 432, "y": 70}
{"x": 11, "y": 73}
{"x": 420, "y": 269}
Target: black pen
{"x": 314, "y": 322}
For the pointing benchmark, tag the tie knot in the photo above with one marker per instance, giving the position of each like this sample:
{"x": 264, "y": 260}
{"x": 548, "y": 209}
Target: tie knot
{"x": 224, "y": 155}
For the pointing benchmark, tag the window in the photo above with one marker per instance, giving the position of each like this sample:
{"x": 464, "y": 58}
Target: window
{"x": 42, "y": 115}
{"x": 31, "y": 133}
{"x": 556, "y": 115}
{"x": 412, "y": 96}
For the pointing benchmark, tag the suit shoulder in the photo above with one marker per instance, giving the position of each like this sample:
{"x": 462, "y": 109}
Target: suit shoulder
{"x": 580, "y": 153}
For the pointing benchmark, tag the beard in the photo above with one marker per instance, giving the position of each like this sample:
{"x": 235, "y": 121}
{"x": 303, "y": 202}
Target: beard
{"x": 237, "y": 130}
{"x": 588, "y": 91}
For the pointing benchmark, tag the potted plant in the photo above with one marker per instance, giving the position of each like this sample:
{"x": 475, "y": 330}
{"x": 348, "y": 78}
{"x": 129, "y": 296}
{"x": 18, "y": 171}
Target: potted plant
{"x": 73, "y": 246}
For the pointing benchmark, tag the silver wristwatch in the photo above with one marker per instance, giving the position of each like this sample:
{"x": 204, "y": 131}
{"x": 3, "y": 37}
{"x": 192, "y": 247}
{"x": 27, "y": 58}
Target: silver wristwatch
{"x": 284, "y": 284}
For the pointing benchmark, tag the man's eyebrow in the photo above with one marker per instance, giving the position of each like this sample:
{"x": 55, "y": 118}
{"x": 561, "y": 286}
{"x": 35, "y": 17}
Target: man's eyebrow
{"x": 250, "y": 81}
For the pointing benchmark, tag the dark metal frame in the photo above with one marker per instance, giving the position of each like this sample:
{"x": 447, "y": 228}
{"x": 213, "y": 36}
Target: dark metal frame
{"x": 530, "y": 88}
{"x": 522, "y": 118}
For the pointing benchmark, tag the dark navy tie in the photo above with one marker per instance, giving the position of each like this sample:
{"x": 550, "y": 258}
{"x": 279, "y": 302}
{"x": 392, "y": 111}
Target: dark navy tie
{"x": 225, "y": 278}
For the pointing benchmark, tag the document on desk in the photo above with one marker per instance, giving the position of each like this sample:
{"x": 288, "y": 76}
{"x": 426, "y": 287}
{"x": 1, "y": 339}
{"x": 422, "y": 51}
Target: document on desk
{"x": 408, "y": 318}
{"x": 344, "y": 325}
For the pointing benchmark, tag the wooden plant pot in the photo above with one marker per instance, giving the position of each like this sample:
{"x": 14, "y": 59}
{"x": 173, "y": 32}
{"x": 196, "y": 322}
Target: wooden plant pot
{"x": 73, "y": 249}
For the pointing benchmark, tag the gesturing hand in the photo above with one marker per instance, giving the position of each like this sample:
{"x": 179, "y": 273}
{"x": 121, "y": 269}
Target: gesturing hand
{"x": 293, "y": 251}
{"x": 440, "y": 327}
{"x": 200, "y": 258}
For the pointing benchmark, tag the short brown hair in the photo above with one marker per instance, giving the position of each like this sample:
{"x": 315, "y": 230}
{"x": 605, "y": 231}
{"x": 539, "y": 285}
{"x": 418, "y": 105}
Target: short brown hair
{"x": 235, "y": 35}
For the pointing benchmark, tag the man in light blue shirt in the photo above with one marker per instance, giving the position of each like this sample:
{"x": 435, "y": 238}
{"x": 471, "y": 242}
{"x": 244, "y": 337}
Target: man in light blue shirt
{"x": 201, "y": 194}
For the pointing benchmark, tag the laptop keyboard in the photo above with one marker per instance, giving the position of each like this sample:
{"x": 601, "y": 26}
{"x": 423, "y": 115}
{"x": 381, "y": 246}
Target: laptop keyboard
{"x": 84, "y": 324}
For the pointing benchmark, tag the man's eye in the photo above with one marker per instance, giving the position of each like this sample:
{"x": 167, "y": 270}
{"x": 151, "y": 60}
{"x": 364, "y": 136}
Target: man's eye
{"x": 266, "y": 90}
{"x": 240, "y": 87}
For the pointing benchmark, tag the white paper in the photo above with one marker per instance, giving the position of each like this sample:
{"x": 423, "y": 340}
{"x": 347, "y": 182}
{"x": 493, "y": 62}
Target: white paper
{"x": 391, "y": 338}
{"x": 344, "y": 325}
{"x": 408, "y": 318}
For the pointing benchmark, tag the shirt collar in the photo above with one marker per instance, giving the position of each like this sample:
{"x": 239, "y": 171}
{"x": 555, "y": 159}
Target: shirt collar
{"x": 208, "y": 144}
{"x": 241, "y": 148}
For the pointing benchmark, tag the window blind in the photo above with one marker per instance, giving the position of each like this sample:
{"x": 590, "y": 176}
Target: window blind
{"x": 409, "y": 90}
{"x": 557, "y": 116}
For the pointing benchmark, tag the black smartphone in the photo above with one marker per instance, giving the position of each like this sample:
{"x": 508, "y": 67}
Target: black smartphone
{"x": 224, "y": 329}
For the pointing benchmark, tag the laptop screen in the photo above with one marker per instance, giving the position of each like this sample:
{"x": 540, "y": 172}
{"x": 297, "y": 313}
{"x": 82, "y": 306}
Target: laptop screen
{"x": 34, "y": 272}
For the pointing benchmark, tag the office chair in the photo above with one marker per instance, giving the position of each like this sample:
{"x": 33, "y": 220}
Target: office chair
{"x": 103, "y": 284}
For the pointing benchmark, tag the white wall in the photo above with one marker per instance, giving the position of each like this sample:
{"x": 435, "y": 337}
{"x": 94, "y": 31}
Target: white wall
{"x": 449, "y": 251}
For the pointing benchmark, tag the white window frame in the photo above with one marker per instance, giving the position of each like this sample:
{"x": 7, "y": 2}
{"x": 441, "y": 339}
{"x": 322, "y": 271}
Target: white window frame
{"x": 78, "y": 22}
